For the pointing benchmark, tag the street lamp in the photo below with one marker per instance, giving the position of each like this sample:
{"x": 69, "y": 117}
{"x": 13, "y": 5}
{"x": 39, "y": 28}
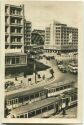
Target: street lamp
{"x": 34, "y": 54}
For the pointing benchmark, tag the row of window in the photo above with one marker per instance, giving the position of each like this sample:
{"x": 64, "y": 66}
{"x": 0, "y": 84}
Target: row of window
{"x": 36, "y": 112}
{"x": 25, "y": 98}
{"x": 15, "y": 20}
{"x": 59, "y": 88}
{"x": 16, "y": 12}
{"x": 12, "y": 101}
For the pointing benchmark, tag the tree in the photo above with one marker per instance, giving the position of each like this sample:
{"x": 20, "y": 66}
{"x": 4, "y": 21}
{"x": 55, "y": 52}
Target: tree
{"x": 52, "y": 72}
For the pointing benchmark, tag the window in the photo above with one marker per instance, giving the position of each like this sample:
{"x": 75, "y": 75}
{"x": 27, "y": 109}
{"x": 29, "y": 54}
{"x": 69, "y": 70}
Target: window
{"x": 12, "y": 20}
{"x": 26, "y": 98}
{"x": 21, "y": 116}
{"x": 38, "y": 111}
{"x": 61, "y": 88}
{"x": 37, "y": 95}
{"x": 50, "y": 107}
{"x": 10, "y": 102}
{"x": 17, "y": 60}
{"x": 32, "y": 96}
{"x": 18, "y": 116}
{"x": 16, "y": 101}
{"x": 13, "y": 60}
{"x": 44, "y": 109}
{"x": 57, "y": 89}
{"x": 65, "y": 87}
{"x": 25, "y": 115}
{"x": 5, "y": 39}
{"x": 31, "y": 114}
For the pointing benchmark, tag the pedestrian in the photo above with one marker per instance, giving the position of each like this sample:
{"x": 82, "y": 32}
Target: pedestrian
{"x": 16, "y": 78}
{"x": 64, "y": 112}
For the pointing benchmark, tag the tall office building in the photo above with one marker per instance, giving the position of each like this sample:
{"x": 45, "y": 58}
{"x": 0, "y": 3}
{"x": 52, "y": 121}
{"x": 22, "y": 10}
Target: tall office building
{"x": 60, "y": 37}
{"x": 14, "y": 27}
{"x": 14, "y": 36}
{"x": 27, "y": 35}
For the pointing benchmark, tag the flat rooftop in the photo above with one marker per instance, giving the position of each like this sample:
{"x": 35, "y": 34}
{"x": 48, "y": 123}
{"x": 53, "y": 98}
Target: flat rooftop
{"x": 57, "y": 84}
{"x": 15, "y": 54}
{"x": 24, "y": 92}
{"x": 34, "y": 106}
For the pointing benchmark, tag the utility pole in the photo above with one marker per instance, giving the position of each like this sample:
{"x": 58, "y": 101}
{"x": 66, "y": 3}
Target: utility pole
{"x": 35, "y": 72}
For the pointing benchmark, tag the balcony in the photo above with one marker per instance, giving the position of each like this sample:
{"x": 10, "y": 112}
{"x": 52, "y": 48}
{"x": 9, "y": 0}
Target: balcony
{"x": 16, "y": 34}
{"x": 16, "y": 24}
{"x": 16, "y": 15}
{"x": 17, "y": 43}
{"x": 6, "y": 33}
{"x": 6, "y": 43}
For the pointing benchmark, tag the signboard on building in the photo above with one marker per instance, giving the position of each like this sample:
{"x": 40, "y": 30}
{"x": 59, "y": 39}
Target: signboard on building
{"x": 70, "y": 38}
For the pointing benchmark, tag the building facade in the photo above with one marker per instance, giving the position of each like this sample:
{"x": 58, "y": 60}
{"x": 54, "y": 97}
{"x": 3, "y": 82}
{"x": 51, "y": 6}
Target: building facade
{"x": 14, "y": 35}
{"x": 14, "y": 27}
{"x": 27, "y": 35}
{"x": 60, "y": 37}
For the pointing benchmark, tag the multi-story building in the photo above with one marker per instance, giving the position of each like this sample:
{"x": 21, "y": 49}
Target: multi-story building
{"x": 14, "y": 35}
{"x": 27, "y": 35}
{"x": 14, "y": 27}
{"x": 60, "y": 37}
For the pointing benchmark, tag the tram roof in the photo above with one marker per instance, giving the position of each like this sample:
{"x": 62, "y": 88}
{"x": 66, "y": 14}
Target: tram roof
{"x": 25, "y": 92}
{"x": 70, "y": 92}
{"x": 57, "y": 84}
{"x": 34, "y": 106}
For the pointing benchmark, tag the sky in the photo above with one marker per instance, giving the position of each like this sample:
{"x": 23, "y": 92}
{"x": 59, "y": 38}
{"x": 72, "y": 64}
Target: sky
{"x": 41, "y": 13}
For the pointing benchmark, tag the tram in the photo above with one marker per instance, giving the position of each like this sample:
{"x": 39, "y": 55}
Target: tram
{"x": 46, "y": 107}
{"x": 25, "y": 97}
{"x": 58, "y": 88}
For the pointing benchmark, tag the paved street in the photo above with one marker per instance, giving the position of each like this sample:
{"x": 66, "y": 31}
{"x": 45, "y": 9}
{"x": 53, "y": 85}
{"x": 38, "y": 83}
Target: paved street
{"x": 58, "y": 76}
{"x": 70, "y": 113}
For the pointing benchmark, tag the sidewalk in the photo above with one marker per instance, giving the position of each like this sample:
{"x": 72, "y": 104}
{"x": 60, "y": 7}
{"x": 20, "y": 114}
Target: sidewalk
{"x": 31, "y": 86}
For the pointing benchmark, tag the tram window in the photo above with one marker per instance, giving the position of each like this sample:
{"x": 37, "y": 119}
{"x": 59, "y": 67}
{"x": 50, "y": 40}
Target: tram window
{"x": 69, "y": 86}
{"x": 61, "y": 88}
{"x": 44, "y": 109}
{"x": 72, "y": 98}
{"x": 13, "y": 101}
{"x": 18, "y": 116}
{"x": 54, "y": 90}
{"x": 31, "y": 114}
{"x": 38, "y": 111}
{"x": 21, "y": 99}
{"x": 26, "y": 98}
{"x": 50, "y": 107}
{"x": 42, "y": 93}
{"x": 37, "y": 95}
{"x": 57, "y": 89}
{"x": 65, "y": 87}
{"x": 16, "y": 100}
{"x": 25, "y": 115}
{"x": 10, "y": 102}
{"x": 49, "y": 91}
{"x": 32, "y": 96}
{"x": 75, "y": 97}
{"x": 21, "y": 116}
